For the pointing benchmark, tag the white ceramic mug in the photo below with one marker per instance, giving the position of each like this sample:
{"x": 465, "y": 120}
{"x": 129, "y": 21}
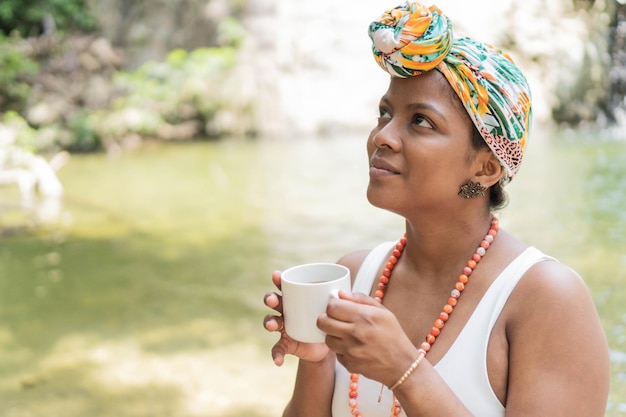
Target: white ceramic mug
{"x": 306, "y": 290}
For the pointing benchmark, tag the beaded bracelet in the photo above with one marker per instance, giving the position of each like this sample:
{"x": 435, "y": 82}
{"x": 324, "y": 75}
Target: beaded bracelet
{"x": 409, "y": 371}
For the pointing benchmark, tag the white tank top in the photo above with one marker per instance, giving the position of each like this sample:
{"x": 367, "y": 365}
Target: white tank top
{"x": 464, "y": 366}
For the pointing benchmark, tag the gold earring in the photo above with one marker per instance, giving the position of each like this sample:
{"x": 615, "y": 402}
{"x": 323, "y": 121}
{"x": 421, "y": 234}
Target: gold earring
{"x": 472, "y": 190}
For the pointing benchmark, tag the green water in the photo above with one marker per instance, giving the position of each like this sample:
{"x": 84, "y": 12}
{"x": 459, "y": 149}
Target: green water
{"x": 144, "y": 299}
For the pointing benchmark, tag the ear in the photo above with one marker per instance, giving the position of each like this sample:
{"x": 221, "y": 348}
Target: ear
{"x": 489, "y": 171}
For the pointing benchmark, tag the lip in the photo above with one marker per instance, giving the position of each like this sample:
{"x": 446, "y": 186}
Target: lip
{"x": 380, "y": 167}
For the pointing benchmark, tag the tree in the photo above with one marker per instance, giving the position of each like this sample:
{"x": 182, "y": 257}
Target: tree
{"x": 617, "y": 51}
{"x": 34, "y": 17}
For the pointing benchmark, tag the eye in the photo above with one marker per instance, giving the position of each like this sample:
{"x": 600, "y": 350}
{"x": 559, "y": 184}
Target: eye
{"x": 383, "y": 113}
{"x": 421, "y": 121}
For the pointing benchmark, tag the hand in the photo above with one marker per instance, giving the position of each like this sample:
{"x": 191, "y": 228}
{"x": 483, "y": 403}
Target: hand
{"x": 367, "y": 337}
{"x": 311, "y": 352}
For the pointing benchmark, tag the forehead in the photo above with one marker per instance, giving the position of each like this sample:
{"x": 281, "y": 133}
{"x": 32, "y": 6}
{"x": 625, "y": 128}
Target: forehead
{"x": 431, "y": 87}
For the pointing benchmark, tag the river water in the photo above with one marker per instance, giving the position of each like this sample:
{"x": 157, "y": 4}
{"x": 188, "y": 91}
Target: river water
{"x": 144, "y": 299}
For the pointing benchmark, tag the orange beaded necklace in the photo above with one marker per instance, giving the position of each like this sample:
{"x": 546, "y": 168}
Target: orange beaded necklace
{"x": 435, "y": 331}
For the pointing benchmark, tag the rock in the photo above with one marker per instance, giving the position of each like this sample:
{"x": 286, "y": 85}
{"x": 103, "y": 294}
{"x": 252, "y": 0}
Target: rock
{"x": 8, "y": 136}
{"x": 46, "y": 112}
{"x": 97, "y": 92}
{"x": 185, "y": 130}
{"x": 47, "y": 182}
{"x": 88, "y": 62}
{"x": 216, "y": 10}
{"x": 33, "y": 175}
{"x": 102, "y": 49}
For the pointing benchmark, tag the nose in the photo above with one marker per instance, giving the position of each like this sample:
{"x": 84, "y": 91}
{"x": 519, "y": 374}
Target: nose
{"x": 387, "y": 136}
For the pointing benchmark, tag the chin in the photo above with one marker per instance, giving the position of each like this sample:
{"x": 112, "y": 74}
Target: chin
{"x": 388, "y": 201}
{"x": 378, "y": 199}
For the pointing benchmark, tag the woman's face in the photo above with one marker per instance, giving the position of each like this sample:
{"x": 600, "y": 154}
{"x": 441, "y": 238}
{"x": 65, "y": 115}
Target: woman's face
{"x": 420, "y": 152}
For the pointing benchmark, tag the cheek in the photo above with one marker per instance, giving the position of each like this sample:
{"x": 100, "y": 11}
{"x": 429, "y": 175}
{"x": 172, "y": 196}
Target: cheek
{"x": 370, "y": 144}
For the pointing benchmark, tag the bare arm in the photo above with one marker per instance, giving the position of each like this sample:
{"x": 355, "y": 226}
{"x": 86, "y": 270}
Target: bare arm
{"x": 372, "y": 343}
{"x": 559, "y": 363}
{"x": 313, "y": 390}
{"x": 558, "y": 355}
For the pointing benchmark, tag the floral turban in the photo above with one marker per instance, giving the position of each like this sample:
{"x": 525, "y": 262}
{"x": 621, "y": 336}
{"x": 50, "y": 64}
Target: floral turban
{"x": 412, "y": 39}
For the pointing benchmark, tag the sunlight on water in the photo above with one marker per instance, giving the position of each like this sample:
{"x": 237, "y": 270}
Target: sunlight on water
{"x": 146, "y": 299}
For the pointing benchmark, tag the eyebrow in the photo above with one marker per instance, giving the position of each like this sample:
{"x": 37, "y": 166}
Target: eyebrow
{"x": 419, "y": 106}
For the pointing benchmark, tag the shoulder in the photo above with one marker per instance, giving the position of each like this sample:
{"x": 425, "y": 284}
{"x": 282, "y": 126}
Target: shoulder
{"x": 552, "y": 311}
{"x": 550, "y": 284}
{"x": 555, "y": 339}
{"x": 353, "y": 261}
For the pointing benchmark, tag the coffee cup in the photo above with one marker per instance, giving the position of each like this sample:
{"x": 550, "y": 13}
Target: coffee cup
{"x": 306, "y": 290}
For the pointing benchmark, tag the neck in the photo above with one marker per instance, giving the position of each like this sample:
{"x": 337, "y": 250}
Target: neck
{"x": 434, "y": 248}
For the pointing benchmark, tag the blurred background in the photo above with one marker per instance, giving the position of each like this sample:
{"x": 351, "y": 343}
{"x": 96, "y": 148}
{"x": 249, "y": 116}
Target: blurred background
{"x": 159, "y": 158}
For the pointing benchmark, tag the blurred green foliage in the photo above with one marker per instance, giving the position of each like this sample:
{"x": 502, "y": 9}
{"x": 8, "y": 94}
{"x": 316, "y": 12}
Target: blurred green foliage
{"x": 83, "y": 138}
{"x": 15, "y": 68}
{"x": 26, "y": 137}
{"x": 186, "y": 95}
{"x": 28, "y": 17}
{"x": 188, "y": 87}
{"x": 230, "y": 32}
{"x": 183, "y": 97}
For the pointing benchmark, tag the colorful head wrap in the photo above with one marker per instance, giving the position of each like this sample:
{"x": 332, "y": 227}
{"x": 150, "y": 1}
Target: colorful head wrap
{"x": 412, "y": 39}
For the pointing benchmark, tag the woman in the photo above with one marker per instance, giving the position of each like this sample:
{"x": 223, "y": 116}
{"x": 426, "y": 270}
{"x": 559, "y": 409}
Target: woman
{"x": 458, "y": 317}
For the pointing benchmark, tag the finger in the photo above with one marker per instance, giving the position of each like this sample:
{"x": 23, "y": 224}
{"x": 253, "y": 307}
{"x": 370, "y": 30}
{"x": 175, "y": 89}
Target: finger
{"x": 273, "y": 301}
{"x": 276, "y": 278}
{"x": 334, "y": 328}
{"x": 279, "y": 351}
{"x": 350, "y": 308}
{"x": 359, "y": 298}
{"x": 273, "y": 323}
